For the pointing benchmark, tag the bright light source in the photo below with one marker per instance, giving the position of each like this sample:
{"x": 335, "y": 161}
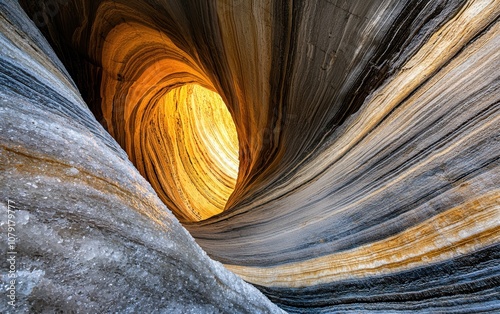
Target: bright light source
{"x": 193, "y": 146}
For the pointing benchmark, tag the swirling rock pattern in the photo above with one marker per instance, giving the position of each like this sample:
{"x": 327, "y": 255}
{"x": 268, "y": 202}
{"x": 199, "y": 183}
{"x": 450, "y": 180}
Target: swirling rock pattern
{"x": 367, "y": 132}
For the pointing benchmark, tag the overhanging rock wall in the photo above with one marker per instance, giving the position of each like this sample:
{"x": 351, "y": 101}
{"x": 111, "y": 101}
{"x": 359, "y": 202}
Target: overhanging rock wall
{"x": 368, "y": 143}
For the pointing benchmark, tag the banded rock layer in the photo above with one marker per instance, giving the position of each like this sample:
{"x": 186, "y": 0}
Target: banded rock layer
{"x": 367, "y": 133}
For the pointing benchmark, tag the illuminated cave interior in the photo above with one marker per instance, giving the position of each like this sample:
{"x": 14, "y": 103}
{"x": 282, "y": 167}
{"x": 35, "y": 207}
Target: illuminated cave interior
{"x": 176, "y": 129}
{"x": 233, "y": 156}
{"x": 191, "y": 151}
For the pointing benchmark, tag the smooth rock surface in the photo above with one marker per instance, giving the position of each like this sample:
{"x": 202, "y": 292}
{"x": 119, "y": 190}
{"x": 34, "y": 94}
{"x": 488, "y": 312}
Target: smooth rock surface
{"x": 368, "y": 134}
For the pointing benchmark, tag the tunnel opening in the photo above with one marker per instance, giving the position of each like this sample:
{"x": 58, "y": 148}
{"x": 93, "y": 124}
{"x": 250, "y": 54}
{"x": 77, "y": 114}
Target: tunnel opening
{"x": 160, "y": 104}
{"x": 133, "y": 75}
{"x": 192, "y": 151}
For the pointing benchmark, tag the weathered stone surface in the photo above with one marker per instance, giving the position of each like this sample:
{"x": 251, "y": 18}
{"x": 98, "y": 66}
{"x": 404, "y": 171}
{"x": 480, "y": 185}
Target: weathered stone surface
{"x": 367, "y": 143}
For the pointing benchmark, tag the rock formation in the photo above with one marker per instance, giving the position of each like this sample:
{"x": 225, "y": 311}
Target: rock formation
{"x": 341, "y": 156}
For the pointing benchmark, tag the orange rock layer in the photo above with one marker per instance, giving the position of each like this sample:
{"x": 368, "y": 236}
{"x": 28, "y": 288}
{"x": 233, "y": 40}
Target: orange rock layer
{"x": 362, "y": 170}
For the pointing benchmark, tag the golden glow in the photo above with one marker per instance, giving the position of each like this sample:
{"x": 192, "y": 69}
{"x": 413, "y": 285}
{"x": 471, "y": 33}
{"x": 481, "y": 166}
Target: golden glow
{"x": 193, "y": 144}
{"x": 161, "y": 107}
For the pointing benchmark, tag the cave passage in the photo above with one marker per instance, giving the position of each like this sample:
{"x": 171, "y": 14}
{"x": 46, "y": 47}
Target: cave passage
{"x": 340, "y": 156}
{"x": 164, "y": 109}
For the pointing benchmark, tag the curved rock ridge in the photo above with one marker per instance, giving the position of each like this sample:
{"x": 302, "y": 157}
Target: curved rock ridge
{"x": 367, "y": 132}
{"x": 89, "y": 234}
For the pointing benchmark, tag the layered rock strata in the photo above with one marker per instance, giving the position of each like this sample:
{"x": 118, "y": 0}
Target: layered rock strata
{"x": 367, "y": 136}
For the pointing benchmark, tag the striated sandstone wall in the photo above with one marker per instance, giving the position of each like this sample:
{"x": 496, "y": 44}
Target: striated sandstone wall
{"x": 367, "y": 138}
